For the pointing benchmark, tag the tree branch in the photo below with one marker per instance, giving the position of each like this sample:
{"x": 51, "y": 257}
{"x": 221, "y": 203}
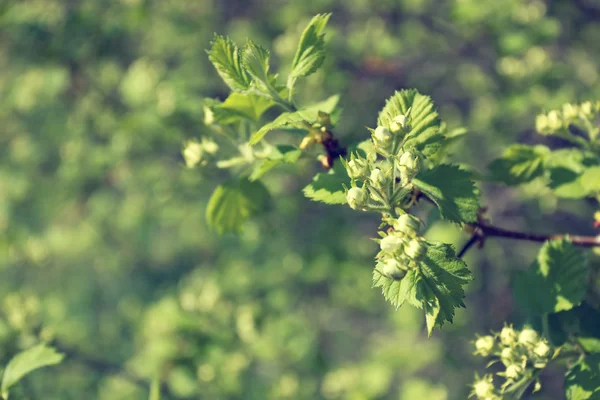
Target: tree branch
{"x": 483, "y": 230}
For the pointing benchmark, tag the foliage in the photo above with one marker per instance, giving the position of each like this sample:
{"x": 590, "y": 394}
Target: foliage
{"x": 115, "y": 255}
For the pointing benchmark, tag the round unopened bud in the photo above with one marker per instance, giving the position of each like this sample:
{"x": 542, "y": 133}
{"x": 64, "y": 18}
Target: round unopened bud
{"x": 541, "y": 124}
{"x": 528, "y": 336}
{"x": 587, "y": 109}
{"x": 357, "y": 198}
{"x": 513, "y": 371}
{"x": 377, "y": 177}
{"x": 542, "y": 349}
{"x": 410, "y": 161}
{"x": 357, "y": 168}
{"x": 507, "y": 356}
{"x": 554, "y": 120}
{"x": 391, "y": 244}
{"x": 484, "y": 388}
{"x": 393, "y": 270}
{"x": 508, "y": 336}
{"x": 382, "y": 134}
{"x": 484, "y": 345}
{"x": 398, "y": 122}
{"x": 415, "y": 249}
{"x": 570, "y": 111}
{"x": 407, "y": 224}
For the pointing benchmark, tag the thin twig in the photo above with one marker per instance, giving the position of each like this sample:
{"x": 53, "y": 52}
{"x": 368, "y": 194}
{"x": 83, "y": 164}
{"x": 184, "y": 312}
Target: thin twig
{"x": 484, "y": 230}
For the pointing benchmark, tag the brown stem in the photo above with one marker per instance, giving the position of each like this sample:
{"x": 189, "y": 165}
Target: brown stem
{"x": 483, "y": 230}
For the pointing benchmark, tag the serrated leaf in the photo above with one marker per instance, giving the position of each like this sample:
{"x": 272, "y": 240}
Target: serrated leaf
{"x": 555, "y": 282}
{"x": 283, "y": 155}
{"x": 310, "y": 53}
{"x": 582, "y": 382}
{"x": 226, "y": 58}
{"x": 519, "y": 164}
{"x": 424, "y": 134}
{"x": 297, "y": 119}
{"x": 327, "y": 187}
{"x": 255, "y": 60}
{"x": 436, "y": 285}
{"x": 452, "y": 190}
{"x": 249, "y": 105}
{"x": 232, "y": 203}
{"x": 27, "y": 361}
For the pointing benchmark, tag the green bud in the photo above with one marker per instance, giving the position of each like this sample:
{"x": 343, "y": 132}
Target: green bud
{"x": 357, "y": 198}
{"x": 541, "y": 124}
{"x": 357, "y": 168}
{"x": 415, "y": 249}
{"x": 391, "y": 244}
{"x": 508, "y": 336}
{"x": 513, "y": 371}
{"x": 484, "y": 345}
{"x": 554, "y": 120}
{"x": 587, "y": 109}
{"x": 392, "y": 269}
{"x": 377, "y": 178}
{"x": 528, "y": 336}
{"x": 192, "y": 153}
{"x": 382, "y": 134}
{"x": 507, "y": 356}
{"x": 407, "y": 224}
{"x": 399, "y": 122}
{"x": 570, "y": 111}
{"x": 484, "y": 388}
{"x": 542, "y": 349}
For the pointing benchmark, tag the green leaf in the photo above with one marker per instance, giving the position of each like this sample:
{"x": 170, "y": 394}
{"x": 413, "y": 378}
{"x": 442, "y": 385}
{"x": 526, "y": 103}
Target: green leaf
{"x": 294, "y": 119}
{"x": 519, "y": 164}
{"x": 424, "y": 134}
{"x": 582, "y": 382}
{"x": 590, "y": 180}
{"x": 310, "y": 53}
{"x": 581, "y": 322}
{"x": 566, "y": 167}
{"x": 226, "y": 58}
{"x": 436, "y": 285}
{"x": 556, "y": 281}
{"x": 249, "y": 105}
{"x": 297, "y": 119}
{"x": 232, "y": 203}
{"x": 255, "y": 59}
{"x": 26, "y": 361}
{"x": 282, "y": 155}
{"x": 327, "y": 187}
{"x": 452, "y": 190}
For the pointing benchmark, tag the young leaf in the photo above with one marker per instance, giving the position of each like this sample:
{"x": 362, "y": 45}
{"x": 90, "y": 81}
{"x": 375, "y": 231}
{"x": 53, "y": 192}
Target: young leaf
{"x": 556, "y": 281}
{"x": 249, "y": 105}
{"x": 232, "y": 203}
{"x": 311, "y": 49}
{"x": 452, "y": 190}
{"x": 581, "y": 382}
{"x": 519, "y": 164}
{"x": 283, "y": 155}
{"x": 226, "y": 58}
{"x": 424, "y": 134}
{"x": 436, "y": 285}
{"x": 256, "y": 61}
{"x": 568, "y": 168}
{"x": 294, "y": 119}
{"x": 26, "y": 361}
{"x": 327, "y": 187}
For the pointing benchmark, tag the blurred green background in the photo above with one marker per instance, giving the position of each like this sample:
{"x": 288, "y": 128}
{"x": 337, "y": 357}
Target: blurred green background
{"x": 104, "y": 249}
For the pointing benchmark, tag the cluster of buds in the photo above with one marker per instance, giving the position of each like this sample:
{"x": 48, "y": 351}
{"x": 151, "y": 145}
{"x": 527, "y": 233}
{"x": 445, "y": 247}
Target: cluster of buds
{"x": 523, "y": 353}
{"x": 194, "y": 152}
{"x": 556, "y": 121}
{"x": 401, "y": 247}
{"x": 384, "y": 184}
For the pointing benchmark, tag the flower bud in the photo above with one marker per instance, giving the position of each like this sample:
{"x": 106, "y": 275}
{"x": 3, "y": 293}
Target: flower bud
{"x": 357, "y": 168}
{"x": 377, "y": 177}
{"x": 382, "y": 134}
{"x": 407, "y": 224}
{"x": 192, "y": 153}
{"x": 541, "y": 124}
{"x": 554, "y": 120}
{"x": 399, "y": 122}
{"x": 507, "y": 356}
{"x": 391, "y": 243}
{"x": 587, "y": 109}
{"x": 357, "y": 198}
{"x": 542, "y": 349}
{"x": 528, "y": 336}
{"x": 484, "y": 345}
{"x": 570, "y": 111}
{"x": 393, "y": 270}
{"x": 415, "y": 249}
{"x": 484, "y": 388}
{"x": 513, "y": 371}
{"x": 508, "y": 336}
